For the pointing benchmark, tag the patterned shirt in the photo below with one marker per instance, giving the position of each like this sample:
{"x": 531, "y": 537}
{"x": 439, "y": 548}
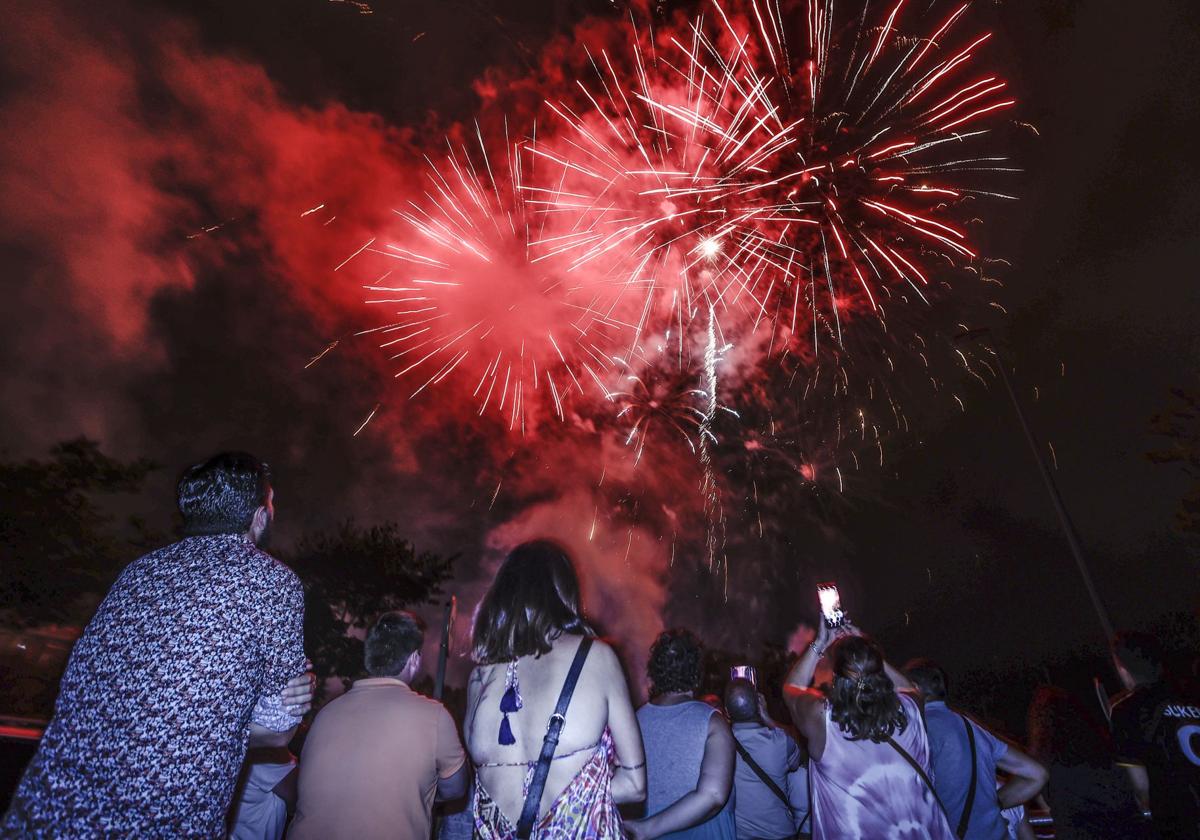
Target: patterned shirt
{"x": 152, "y": 718}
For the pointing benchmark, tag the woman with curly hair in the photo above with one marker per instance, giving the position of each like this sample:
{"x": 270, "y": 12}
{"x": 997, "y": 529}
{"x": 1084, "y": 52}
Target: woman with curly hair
{"x": 868, "y": 749}
{"x": 529, "y": 630}
{"x": 689, "y": 749}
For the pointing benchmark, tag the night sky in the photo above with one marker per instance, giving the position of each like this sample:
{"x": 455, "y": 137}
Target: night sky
{"x": 129, "y": 129}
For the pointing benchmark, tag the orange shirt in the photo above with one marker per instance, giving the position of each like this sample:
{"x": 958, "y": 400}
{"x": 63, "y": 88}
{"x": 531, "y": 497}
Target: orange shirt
{"x": 371, "y": 764}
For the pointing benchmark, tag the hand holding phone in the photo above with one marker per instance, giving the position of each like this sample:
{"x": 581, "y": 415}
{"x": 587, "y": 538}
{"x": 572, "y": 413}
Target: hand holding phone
{"x": 831, "y": 604}
{"x": 744, "y": 672}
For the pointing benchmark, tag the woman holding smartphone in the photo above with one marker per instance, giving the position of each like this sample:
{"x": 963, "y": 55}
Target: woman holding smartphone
{"x": 869, "y": 753}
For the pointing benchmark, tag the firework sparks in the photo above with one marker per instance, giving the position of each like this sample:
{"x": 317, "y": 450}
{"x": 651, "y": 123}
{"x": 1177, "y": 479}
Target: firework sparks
{"x": 827, "y": 182}
{"x": 466, "y": 298}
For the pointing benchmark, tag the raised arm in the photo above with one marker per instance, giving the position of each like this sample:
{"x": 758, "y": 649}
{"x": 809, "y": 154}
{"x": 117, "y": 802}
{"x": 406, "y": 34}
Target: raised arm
{"x": 629, "y": 777}
{"x": 709, "y": 797}
{"x": 806, "y": 703}
{"x": 1026, "y": 778}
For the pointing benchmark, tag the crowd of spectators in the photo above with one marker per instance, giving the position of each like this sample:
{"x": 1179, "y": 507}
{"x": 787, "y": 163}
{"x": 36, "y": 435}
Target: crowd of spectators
{"x": 182, "y": 696}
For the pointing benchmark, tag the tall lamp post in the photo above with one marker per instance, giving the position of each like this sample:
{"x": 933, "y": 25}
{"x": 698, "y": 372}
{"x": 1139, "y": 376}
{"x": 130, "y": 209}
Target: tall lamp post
{"x": 1064, "y": 518}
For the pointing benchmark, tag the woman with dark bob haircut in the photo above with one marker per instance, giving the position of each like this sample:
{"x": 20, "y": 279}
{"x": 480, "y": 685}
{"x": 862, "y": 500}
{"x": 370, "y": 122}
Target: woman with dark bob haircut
{"x": 865, "y": 734}
{"x": 528, "y": 629}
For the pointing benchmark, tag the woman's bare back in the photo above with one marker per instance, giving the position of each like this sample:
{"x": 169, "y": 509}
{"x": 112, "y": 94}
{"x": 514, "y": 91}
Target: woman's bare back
{"x": 502, "y": 768}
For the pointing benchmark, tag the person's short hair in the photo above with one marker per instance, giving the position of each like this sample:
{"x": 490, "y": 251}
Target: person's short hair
{"x": 391, "y": 641}
{"x": 220, "y": 495}
{"x": 741, "y": 701}
{"x": 533, "y": 600}
{"x": 929, "y": 677}
{"x": 862, "y": 698}
{"x": 1140, "y": 653}
{"x": 675, "y": 662}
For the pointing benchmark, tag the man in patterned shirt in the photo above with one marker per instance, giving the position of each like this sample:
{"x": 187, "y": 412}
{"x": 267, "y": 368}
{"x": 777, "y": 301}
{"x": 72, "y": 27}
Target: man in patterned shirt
{"x": 193, "y": 653}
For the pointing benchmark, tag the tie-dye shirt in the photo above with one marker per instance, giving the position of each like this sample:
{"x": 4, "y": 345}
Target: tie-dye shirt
{"x": 153, "y": 713}
{"x": 867, "y": 791}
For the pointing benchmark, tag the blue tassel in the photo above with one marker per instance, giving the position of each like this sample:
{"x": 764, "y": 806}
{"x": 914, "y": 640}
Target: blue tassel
{"x": 511, "y": 701}
{"x": 506, "y": 733}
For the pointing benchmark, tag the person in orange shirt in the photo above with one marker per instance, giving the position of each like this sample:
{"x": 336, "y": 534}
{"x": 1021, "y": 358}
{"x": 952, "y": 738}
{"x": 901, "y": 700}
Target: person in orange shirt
{"x": 377, "y": 757}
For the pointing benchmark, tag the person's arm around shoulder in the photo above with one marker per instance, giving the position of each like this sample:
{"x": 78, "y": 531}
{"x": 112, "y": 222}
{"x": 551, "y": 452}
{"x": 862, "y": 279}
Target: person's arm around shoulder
{"x": 451, "y": 760}
{"x": 711, "y": 792}
{"x": 629, "y": 777}
{"x": 290, "y": 684}
{"x": 1026, "y": 777}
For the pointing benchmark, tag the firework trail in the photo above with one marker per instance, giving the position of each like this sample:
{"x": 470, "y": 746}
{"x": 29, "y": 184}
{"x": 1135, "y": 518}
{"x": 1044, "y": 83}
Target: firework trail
{"x": 710, "y": 489}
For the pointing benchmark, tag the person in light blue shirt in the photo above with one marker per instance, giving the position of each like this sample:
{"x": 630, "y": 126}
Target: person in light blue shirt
{"x": 762, "y": 812}
{"x": 689, "y": 750}
{"x": 974, "y": 810}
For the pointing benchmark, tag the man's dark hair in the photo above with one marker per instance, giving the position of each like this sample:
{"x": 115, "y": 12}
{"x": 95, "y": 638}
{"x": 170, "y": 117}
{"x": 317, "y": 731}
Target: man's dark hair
{"x": 1140, "y": 653}
{"x": 533, "y": 600}
{"x": 674, "y": 663}
{"x": 929, "y": 676}
{"x": 391, "y": 641}
{"x": 741, "y": 701}
{"x": 862, "y": 698}
{"x": 220, "y": 495}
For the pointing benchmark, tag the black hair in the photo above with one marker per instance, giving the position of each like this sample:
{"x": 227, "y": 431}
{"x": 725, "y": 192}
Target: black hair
{"x": 862, "y": 699}
{"x": 392, "y": 639}
{"x": 1140, "y": 653}
{"x": 221, "y": 495}
{"x": 533, "y": 600}
{"x": 675, "y": 661}
{"x": 1063, "y": 731}
{"x": 929, "y": 677}
{"x": 741, "y": 701}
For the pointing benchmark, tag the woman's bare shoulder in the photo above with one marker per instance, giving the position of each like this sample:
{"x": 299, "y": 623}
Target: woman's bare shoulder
{"x": 604, "y": 659}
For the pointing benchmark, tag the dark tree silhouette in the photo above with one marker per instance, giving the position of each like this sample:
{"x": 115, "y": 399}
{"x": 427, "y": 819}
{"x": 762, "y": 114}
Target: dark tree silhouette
{"x": 353, "y": 574}
{"x": 58, "y": 545}
{"x": 1180, "y": 424}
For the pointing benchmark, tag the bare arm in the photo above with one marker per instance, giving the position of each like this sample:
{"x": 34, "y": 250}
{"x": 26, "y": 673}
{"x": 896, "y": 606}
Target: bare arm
{"x": 898, "y": 679}
{"x": 807, "y": 704}
{"x": 1026, "y": 778}
{"x": 1140, "y": 779}
{"x": 260, "y": 736}
{"x": 629, "y": 778}
{"x": 711, "y": 793}
{"x": 1025, "y": 830}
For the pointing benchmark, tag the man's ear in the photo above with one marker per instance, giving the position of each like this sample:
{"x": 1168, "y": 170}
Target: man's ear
{"x": 259, "y": 522}
{"x": 414, "y": 661}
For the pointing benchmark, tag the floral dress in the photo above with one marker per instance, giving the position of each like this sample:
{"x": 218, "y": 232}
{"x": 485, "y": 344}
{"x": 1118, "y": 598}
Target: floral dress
{"x": 583, "y": 811}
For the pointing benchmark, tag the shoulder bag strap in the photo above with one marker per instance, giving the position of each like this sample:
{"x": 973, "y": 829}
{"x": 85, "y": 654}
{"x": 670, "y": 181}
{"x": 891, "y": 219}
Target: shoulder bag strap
{"x": 533, "y": 797}
{"x": 920, "y": 772}
{"x": 965, "y": 819}
{"x": 761, "y": 773}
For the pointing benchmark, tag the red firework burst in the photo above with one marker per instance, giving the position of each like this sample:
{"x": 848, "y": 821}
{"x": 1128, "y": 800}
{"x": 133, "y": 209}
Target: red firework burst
{"x": 782, "y": 165}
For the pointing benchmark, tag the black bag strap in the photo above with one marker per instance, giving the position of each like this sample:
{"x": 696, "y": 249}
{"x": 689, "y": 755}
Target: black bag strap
{"x": 761, "y": 773}
{"x": 965, "y": 819}
{"x": 533, "y": 797}
{"x": 920, "y": 772}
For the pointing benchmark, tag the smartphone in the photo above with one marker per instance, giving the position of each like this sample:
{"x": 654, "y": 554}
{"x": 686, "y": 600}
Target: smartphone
{"x": 831, "y": 604}
{"x": 744, "y": 672}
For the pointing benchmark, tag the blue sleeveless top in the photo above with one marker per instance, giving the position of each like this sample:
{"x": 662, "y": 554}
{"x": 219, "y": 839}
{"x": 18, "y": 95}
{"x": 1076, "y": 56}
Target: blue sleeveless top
{"x": 674, "y": 738}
